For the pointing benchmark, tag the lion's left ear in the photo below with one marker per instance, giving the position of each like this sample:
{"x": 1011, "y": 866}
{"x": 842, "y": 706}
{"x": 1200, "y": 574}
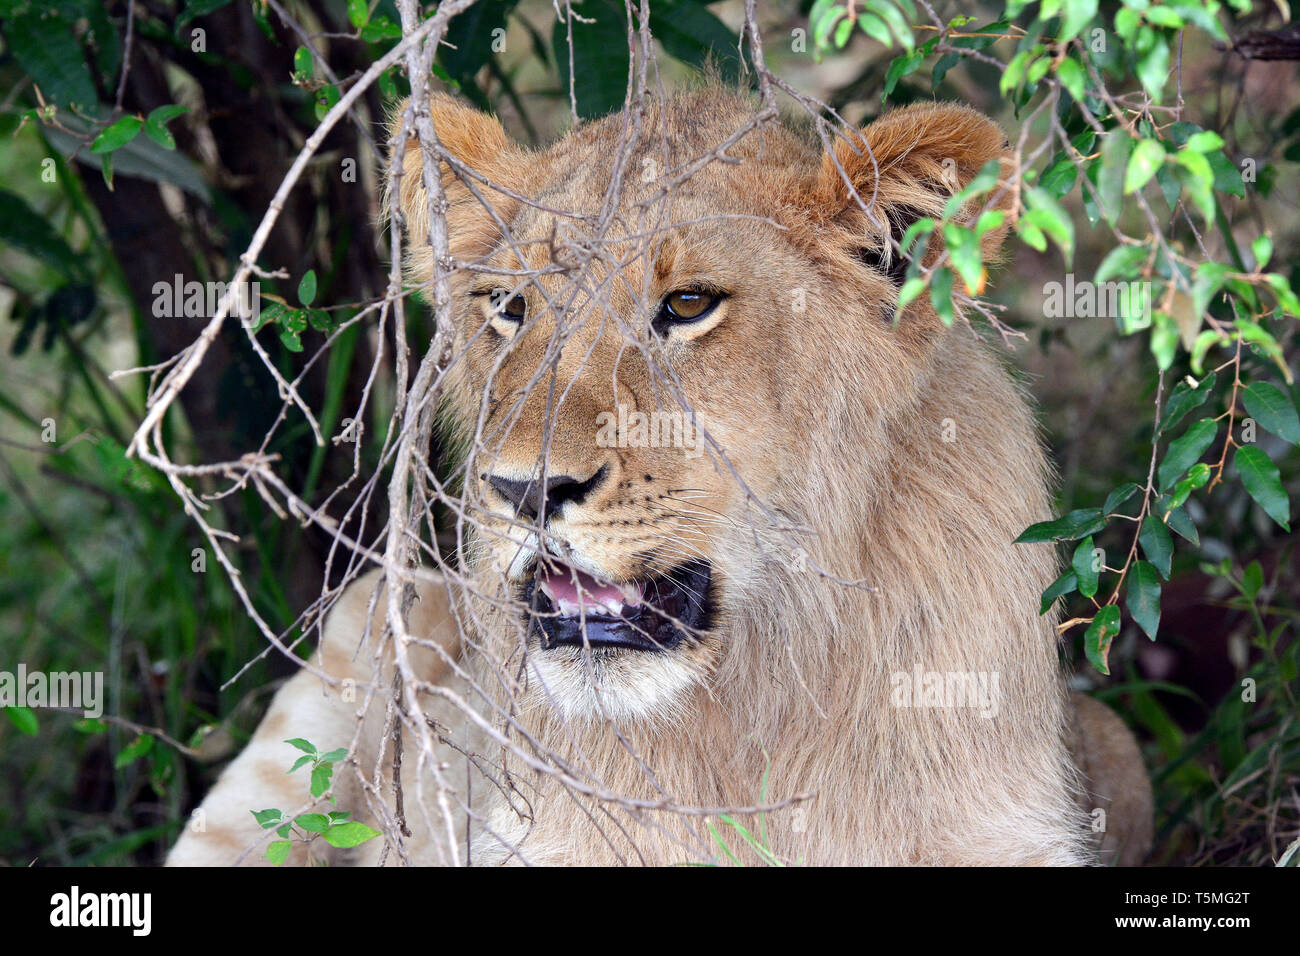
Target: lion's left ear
{"x": 904, "y": 166}
{"x": 479, "y": 142}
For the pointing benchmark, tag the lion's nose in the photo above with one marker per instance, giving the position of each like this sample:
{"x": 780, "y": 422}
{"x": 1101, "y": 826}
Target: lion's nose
{"x": 547, "y": 495}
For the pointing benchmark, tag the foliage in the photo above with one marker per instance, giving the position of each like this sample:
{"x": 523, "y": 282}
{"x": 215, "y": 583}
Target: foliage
{"x": 1141, "y": 182}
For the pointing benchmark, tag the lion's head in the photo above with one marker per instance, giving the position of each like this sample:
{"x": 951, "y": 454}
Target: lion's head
{"x": 679, "y": 370}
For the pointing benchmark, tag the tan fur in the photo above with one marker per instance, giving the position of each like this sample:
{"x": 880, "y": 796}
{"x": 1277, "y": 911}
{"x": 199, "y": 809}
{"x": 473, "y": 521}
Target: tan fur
{"x": 836, "y": 419}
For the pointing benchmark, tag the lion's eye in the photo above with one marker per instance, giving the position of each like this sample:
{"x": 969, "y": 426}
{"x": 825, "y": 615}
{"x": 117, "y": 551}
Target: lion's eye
{"x": 512, "y": 308}
{"x": 686, "y": 306}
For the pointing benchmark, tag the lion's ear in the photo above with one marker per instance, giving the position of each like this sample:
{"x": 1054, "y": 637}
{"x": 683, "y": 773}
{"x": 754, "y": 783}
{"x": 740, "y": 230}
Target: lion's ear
{"x": 479, "y": 142}
{"x": 904, "y": 166}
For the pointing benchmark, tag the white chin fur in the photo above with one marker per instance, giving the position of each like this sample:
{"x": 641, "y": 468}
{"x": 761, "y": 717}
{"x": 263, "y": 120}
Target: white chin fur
{"x": 632, "y": 686}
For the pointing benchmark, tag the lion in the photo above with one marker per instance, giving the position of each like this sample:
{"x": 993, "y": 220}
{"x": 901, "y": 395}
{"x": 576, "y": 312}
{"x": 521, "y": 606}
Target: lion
{"x": 803, "y": 608}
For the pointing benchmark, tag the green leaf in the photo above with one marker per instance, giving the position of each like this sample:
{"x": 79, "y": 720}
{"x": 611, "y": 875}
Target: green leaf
{"x": 1099, "y": 636}
{"x": 600, "y": 56}
{"x": 887, "y": 12}
{"x": 899, "y": 67}
{"x": 1119, "y": 496}
{"x": 23, "y": 719}
{"x": 1262, "y": 480}
{"x": 1156, "y": 544}
{"x": 346, "y": 835}
{"x": 1184, "y": 399}
{"x": 1197, "y": 175}
{"x": 1031, "y": 234}
{"x": 1110, "y": 177}
{"x": 1078, "y": 13}
{"x": 1153, "y": 70}
{"x": 313, "y": 822}
{"x": 1196, "y": 478}
{"x": 27, "y": 230}
{"x": 1059, "y": 178}
{"x": 381, "y": 28}
{"x": 982, "y": 182}
{"x": 1046, "y": 213}
{"x": 1209, "y": 279}
{"x": 875, "y": 28}
{"x": 1146, "y": 158}
{"x": 989, "y": 219}
{"x": 1262, "y": 250}
{"x": 321, "y": 321}
{"x": 293, "y": 322}
{"x": 155, "y": 125}
{"x": 1084, "y": 571}
{"x": 693, "y": 34}
{"x": 1015, "y": 71}
{"x": 1066, "y": 583}
{"x": 1204, "y": 342}
{"x": 1227, "y": 177}
{"x": 1177, "y": 520}
{"x": 307, "y": 287}
{"x": 198, "y": 8}
{"x": 1272, "y": 408}
{"x": 43, "y": 41}
{"x": 1252, "y": 579}
{"x": 1170, "y": 187}
{"x": 1163, "y": 17}
{"x": 303, "y": 63}
{"x": 304, "y": 745}
{"x": 910, "y": 290}
{"x": 941, "y": 295}
{"x": 1143, "y": 597}
{"x": 1122, "y": 261}
{"x": 334, "y": 756}
{"x": 1164, "y": 339}
{"x": 268, "y": 818}
{"x": 964, "y": 251}
{"x": 358, "y": 12}
{"x": 1186, "y": 451}
{"x": 304, "y": 759}
{"x": 320, "y": 778}
{"x": 1204, "y": 142}
{"x": 142, "y": 158}
{"x": 1076, "y": 524}
{"x": 843, "y": 32}
{"x": 134, "y": 751}
{"x": 327, "y": 97}
{"x": 1126, "y": 22}
{"x": 278, "y": 851}
{"x": 117, "y": 135}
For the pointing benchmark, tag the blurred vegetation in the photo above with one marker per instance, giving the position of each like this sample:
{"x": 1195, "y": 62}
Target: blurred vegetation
{"x": 116, "y": 179}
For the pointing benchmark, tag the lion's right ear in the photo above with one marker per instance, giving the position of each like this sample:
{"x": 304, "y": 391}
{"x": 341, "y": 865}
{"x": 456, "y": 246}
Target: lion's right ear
{"x": 479, "y": 142}
{"x": 903, "y": 166}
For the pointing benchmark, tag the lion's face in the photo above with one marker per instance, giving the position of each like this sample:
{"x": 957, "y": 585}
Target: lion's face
{"x": 665, "y": 380}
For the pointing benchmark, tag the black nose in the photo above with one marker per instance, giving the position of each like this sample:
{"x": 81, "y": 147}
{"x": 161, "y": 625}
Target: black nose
{"x": 551, "y": 493}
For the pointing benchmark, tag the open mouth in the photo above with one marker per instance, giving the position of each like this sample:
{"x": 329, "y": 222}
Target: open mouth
{"x": 570, "y": 607}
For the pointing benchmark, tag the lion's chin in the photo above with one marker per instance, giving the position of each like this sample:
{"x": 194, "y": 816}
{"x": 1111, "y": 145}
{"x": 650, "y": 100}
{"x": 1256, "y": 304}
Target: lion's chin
{"x": 623, "y": 688}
